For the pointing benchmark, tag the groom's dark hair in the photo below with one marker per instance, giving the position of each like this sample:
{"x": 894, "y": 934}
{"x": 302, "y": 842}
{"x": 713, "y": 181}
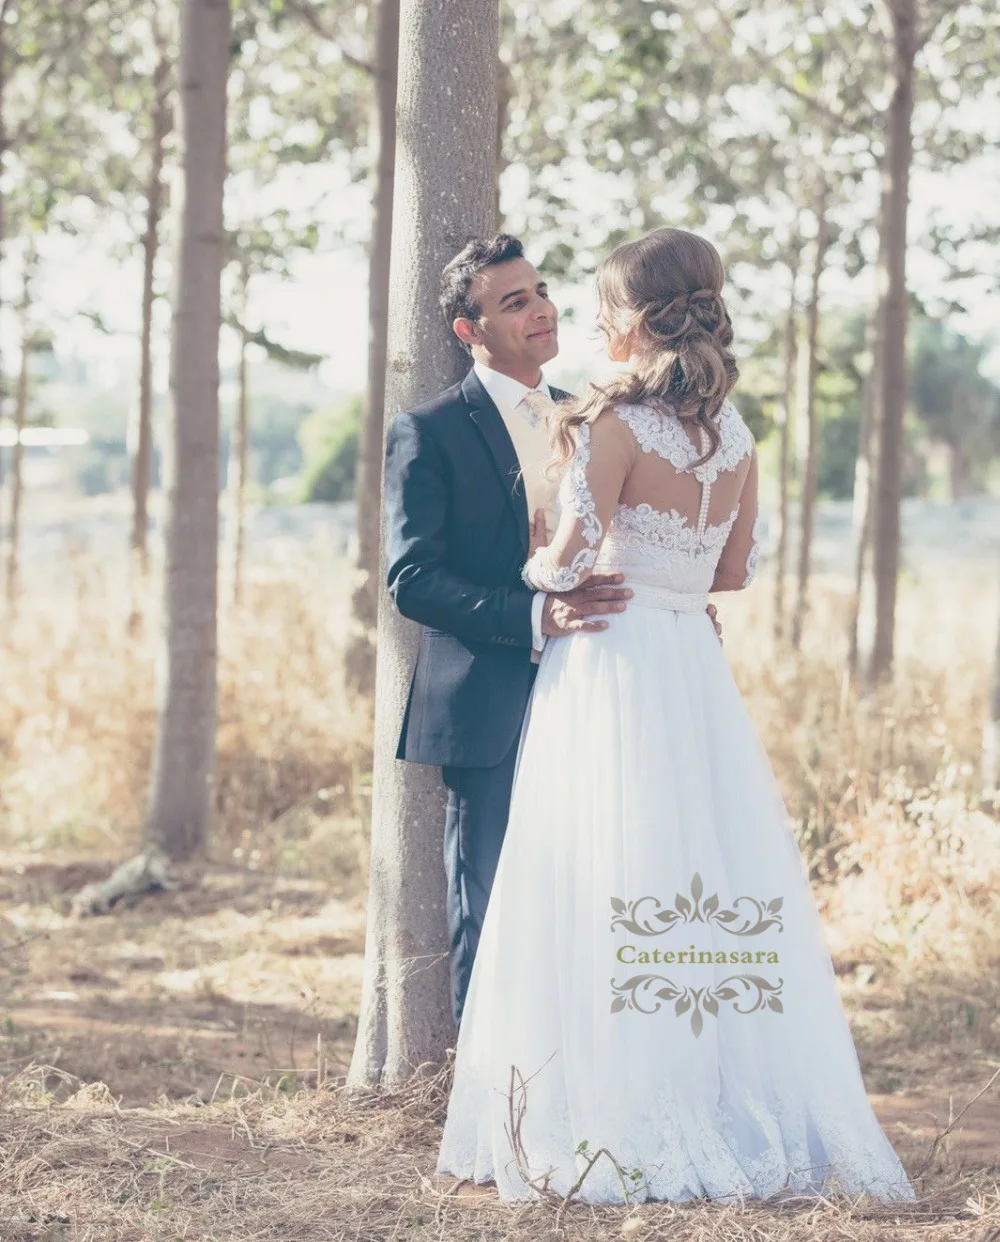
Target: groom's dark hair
{"x": 457, "y": 277}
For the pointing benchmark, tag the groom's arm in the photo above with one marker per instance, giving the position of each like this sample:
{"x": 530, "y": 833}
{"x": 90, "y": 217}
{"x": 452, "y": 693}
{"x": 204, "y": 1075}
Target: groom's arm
{"x": 420, "y": 583}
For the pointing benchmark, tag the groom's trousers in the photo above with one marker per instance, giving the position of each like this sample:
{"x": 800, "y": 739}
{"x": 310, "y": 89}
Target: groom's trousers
{"x": 475, "y": 823}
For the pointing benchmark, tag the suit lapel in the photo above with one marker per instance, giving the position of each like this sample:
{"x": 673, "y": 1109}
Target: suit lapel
{"x": 486, "y": 416}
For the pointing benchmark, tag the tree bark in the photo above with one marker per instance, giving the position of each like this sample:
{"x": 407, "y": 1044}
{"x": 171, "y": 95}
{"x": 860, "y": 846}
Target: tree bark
{"x": 960, "y": 470}
{"x": 445, "y": 167}
{"x": 861, "y": 613}
{"x": 862, "y": 503}
{"x": 239, "y": 452}
{"x": 359, "y": 658}
{"x": 812, "y": 430}
{"x": 142, "y": 459}
{"x": 17, "y": 453}
{"x": 3, "y": 236}
{"x": 899, "y": 155}
{"x": 790, "y": 358}
{"x": 505, "y": 93}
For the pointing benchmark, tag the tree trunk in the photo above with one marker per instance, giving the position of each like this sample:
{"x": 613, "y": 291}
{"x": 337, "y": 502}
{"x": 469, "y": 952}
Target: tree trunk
{"x": 505, "y": 93}
{"x": 960, "y": 470}
{"x": 808, "y": 500}
{"x": 865, "y": 474}
{"x": 17, "y": 453}
{"x": 359, "y": 658}
{"x": 239, "y": 453}
{"x": 181, "y": 793}
{"x": 899, "y": 154}
{"x": 447, "y": 85}
{"x": 3, "y": 237}
{"x": 785, "y": 427}
{"x": 142, "y": 459}
{"x": 183, "y": 767}
{"x": 991, "y": 734}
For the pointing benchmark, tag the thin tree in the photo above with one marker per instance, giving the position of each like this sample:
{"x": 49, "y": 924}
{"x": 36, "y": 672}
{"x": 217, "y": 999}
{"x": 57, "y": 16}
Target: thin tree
{"x": 863, "y": 496}
{"x": 991, "y": 734}
{"x": 359, "y": 658}
{"x": 784, "y": 420}
{"x": 444, "y": 194}
{"x": 4, "y": 36}
{"x": 811, "y": 447}
{"x": 161, "y": 123}
{"x": 11, "y": 581}
{"x": 266, "y": 251}
{"x": 239, "y": 446}
{"x": 892, "y": 277}
{"x": 971, "y": 33}
{"x": 180, "y": 804}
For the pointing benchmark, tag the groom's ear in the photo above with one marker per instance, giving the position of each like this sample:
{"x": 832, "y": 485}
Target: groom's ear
{"x": 467, "y": 331}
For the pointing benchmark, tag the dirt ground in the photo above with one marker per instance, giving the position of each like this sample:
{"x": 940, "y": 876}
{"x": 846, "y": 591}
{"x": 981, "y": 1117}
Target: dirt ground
{"x": 192, "y": 1007}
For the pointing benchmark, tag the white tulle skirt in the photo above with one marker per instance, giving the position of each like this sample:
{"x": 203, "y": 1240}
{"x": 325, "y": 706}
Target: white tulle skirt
{"x": 645, "y": 821}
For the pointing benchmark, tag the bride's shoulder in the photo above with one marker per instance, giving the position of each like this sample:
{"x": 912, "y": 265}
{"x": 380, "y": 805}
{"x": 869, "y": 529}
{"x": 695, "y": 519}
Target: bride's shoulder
{"x": 605, "y": 427}
{"x": 637, "y": 415}
{"x": 728, "y": 411}
{"x": 656, "y": 428}
{"x": 734, "y": 426}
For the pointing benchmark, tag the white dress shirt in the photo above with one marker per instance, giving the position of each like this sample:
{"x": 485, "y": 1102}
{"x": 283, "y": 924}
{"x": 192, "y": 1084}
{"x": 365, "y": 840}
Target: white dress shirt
{"x": 507, "y": 393}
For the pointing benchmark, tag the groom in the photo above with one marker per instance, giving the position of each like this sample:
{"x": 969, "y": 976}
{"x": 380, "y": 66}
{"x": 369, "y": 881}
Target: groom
{"x": 462, "y": 473}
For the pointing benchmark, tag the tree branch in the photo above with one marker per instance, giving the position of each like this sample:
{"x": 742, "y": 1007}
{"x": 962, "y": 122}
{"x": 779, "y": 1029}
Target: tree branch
{"x": 837, "y": 120}
{"x": 308, "y": 15}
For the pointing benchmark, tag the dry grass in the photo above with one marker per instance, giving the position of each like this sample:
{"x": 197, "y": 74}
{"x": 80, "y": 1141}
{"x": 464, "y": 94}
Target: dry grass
{"x": 318, "y": 1165}
{"x": 176, "y": 1071}
{"x": 76, "y": 722}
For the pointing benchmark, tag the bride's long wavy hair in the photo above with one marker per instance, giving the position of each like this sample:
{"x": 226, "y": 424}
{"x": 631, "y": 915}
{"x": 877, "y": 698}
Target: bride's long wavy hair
{"x": 663, "y": 296}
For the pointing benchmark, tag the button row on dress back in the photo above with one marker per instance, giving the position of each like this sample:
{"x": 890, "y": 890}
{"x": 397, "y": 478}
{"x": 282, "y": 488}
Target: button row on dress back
{"x": 706, "y": 486}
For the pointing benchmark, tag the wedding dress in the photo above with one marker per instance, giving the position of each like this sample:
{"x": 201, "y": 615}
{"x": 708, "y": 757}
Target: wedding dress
{"x": 652, "y": 977}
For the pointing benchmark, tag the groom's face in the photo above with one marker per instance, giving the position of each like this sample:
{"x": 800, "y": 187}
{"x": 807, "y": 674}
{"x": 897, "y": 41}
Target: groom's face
{"x": 518, "y": 325}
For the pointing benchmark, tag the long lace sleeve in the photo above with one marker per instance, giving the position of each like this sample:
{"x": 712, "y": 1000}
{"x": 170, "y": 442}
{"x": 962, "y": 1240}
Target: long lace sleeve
{"x": 738, "y": 562}
{"x": 588, "y": 493}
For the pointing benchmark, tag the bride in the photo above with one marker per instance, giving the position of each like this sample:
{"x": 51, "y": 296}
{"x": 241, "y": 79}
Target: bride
{"x": 652, "y": 1006}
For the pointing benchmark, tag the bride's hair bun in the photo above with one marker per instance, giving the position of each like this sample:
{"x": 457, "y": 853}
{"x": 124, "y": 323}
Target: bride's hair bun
{"x": 664, "y": 291}
{"x": 701, "y": 310}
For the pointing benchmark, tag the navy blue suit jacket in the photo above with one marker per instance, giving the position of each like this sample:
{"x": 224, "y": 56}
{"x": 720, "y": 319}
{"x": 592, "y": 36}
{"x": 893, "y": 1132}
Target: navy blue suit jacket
{"x": 456, "y": 540}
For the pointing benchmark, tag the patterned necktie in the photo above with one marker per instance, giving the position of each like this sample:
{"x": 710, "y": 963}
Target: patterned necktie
{"x": 539, "y": 405}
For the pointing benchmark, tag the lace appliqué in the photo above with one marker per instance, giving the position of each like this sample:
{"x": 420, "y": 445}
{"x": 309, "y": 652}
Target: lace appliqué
{"x": 755, "y": 536}
{"x": 663, "y": 535}
{"x": 575, "y": 495}
{"x": 811, "y": 1145}
{"x": 664, "y": 435}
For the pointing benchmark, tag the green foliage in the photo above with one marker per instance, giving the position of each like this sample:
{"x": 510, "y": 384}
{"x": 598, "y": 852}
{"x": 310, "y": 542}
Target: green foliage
{"x": 838, "y": 451}
{"x": 955, "y": 403}
{"x": 329, "y": 439}
{"x": 756, "y": 414}
{"x": 276, "y": 418}
{"x": 843, "y": 365}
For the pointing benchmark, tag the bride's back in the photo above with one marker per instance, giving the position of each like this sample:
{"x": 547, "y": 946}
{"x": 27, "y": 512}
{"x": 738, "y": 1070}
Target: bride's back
{"x": 634, "y": 497}
{"x": 678, "y": 525}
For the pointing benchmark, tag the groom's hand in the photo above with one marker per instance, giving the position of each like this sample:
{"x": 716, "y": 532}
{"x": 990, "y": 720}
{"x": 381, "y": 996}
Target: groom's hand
{"x": 567, "y": 611}
{"x": 538, "y": 535}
